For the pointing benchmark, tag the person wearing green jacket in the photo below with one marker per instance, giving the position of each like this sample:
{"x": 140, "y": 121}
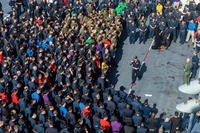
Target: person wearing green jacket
{"x": 89, "y": 40}
{"x": 122, "y": 4}
{"x": 120, "y": 8}
{"x": 187, "y": 71}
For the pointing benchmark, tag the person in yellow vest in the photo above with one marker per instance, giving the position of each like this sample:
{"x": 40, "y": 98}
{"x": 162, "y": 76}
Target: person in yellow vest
{"x": 159, "y": 8}
{"x": 104, "y": 66}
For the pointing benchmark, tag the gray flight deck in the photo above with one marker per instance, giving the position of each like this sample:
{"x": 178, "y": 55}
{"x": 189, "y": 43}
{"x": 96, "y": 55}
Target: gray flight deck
{"x": 163, "y": 76}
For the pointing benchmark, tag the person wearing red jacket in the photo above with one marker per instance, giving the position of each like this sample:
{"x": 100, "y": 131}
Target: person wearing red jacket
{"x": 1, "y": 57}
{"x": 3, "y": 97}
{"x": 39, "y": 80}
{"x": 15, "y": 99}
{"x": 39, "y": 21}
{"x": 107, "y": 43}
{"x": 198, "y": 19}
{"x": 86, "y": 111}
{"x": 65, "y": 2}
{"x": 53, "y": 66}
{"x": 198, "y": 22}
{"x": 105, "y": 124}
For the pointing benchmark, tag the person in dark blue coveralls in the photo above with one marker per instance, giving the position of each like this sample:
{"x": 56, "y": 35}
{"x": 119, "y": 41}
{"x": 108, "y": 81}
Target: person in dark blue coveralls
{"x": 197, "y": 40}
{"x": 135, "y": 68}
{"x": 132, "y": 33}
{"x": 195, "y": 64}
{"x": 173, "y": 24}
{"x": 142, "y": 32}
{"x": 152, "y": 27}
{"x": 182, "y": 31}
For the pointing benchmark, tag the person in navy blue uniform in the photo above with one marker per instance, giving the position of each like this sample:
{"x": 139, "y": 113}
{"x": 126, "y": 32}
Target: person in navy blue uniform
{"x": 152, "y": 27}
{"x": 135, "y": 63}
{"x": 110, "y": 105}
{"x": 142, "y": 32}
{"x": 142, "y": 128}
{"x": 195, "y": 64}
{"x": 166, "y": 37}
{"x": 197, "y": 40}
{"x": 169, "y": 15}
{"x": 173, "y": 24}
{"x": 167, "y": 6}
{"x": 182, "y": 31}
{"x": 137, "y": 119}
{"x": 166, "y": 124}
{"x": 96, "y": 124}
{"x": 132, "y": 33}
{"x": 152, "y": 123}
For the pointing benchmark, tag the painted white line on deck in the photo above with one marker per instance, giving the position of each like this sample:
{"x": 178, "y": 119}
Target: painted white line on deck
{"x": 148, "y": 95}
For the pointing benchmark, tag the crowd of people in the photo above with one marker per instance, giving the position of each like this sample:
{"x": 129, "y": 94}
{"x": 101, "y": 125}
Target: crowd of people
{"x": 56, "y": 56}
{"x": 163, "y": 21}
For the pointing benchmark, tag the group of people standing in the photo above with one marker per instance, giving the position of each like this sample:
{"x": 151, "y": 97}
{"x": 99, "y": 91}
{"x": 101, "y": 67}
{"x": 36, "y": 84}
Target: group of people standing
{"x": 162, "y": 21}
{"x": 55, "y": 59}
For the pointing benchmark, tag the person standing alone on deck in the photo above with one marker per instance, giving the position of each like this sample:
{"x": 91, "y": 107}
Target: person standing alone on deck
{"x": 187, "y": 71}
{"x": 135, "y": 68}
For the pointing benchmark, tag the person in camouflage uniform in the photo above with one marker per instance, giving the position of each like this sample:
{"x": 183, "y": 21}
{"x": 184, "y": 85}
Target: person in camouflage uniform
{"x": 187, "y": 71}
